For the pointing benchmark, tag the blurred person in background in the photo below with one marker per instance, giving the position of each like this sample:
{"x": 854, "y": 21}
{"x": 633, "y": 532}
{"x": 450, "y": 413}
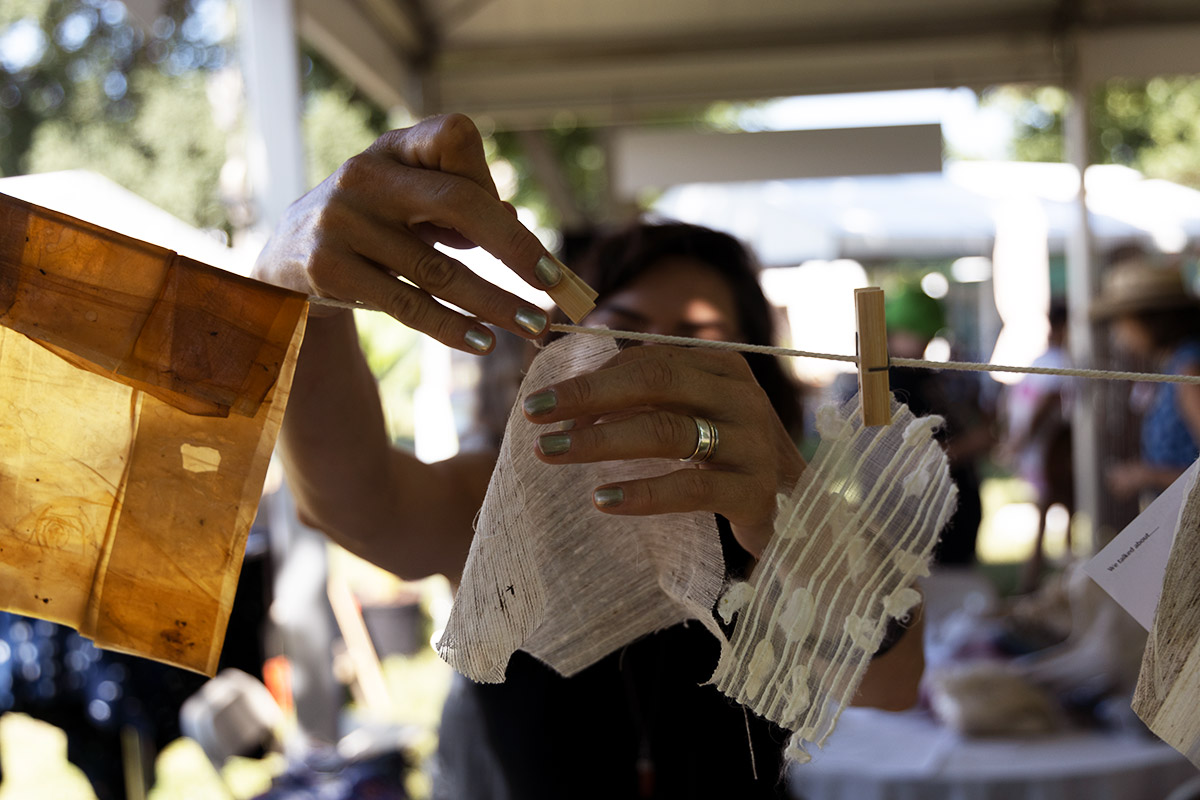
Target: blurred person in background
{"x": 1154, "y": 322}
{"x": 913, "y": 320}
{"x": 1038, "y": 437}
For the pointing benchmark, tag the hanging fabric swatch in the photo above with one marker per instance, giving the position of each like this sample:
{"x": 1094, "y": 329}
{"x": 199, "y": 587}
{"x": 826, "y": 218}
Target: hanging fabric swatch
{"x": 850, "y": 542}
{"x": 140, "y": 396}
{"x": 1168, "y": 687}
{"x": 551, "y": 575}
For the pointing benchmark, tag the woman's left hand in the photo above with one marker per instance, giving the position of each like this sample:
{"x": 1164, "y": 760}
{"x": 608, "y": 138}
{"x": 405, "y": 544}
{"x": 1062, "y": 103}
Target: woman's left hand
{"x": 644, "y": 405}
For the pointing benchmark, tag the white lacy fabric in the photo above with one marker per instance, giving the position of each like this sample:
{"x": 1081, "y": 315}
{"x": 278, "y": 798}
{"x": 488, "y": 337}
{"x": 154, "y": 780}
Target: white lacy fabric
{"x": 850, "y": 541}
{"x": 551, "y": 575}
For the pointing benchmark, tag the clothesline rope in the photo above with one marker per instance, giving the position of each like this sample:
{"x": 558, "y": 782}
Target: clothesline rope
{"x": 963, "y": 366}
{"x": 741, "y": 347}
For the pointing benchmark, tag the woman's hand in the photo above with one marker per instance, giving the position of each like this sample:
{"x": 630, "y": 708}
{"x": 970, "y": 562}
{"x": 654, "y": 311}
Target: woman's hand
{"x": 1127, "y": 479}
{"x": 643, "y": 405}
{"x": 377, "y": 218}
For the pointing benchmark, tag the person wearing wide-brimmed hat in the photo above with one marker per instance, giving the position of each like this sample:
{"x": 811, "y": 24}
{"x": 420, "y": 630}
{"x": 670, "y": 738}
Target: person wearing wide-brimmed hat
{"x": 1154, "y": 317}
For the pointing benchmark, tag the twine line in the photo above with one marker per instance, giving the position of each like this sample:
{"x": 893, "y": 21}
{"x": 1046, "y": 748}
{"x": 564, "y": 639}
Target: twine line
{"x": 962, "y": 366}
{"x": 787, "y": 352}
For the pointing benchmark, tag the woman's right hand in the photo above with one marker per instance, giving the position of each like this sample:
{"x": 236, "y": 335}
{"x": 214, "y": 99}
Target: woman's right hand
{"x": 376, "y": 219}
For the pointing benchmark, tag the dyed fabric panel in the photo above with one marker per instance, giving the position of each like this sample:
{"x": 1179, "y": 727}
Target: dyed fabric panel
{"x": 140, "y": 397}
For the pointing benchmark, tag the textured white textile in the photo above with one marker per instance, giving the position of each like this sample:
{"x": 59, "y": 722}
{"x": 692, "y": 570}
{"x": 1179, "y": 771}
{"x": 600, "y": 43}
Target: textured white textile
{"x": 551, "y": 575}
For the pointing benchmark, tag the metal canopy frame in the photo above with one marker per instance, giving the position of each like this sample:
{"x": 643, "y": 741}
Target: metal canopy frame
{"x": 522, "y": 62}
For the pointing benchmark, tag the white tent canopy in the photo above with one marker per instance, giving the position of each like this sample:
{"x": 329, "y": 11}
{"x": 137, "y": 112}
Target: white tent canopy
{"x": 934, "y": 215}
{"x": 96, "y": 199}
{"x": 527, "y": 61}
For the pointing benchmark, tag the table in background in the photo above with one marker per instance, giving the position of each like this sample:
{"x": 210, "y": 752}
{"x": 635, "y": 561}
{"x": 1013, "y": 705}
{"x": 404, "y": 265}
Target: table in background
{"x": 877, "y": 755}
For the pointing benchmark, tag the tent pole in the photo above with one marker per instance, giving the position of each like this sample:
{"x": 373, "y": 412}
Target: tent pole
{"x": 268, "y": 47}
{"x": 270, "y": 56}
{"x": 1082, "y": 281}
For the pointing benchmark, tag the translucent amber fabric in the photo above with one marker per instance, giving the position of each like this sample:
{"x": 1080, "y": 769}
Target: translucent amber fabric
{"x": 140, "y": 397}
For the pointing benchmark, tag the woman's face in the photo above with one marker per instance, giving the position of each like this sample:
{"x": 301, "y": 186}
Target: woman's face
{"x": 677, "y": 296}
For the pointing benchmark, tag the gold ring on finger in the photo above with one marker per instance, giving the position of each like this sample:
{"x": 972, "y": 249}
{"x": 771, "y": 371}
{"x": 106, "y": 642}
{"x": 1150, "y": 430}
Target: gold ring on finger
{"x": 706, "y": 442}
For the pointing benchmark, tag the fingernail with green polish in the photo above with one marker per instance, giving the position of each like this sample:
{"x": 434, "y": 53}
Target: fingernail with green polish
{"x": 531, "y": 320}
{"x": 554, "y": 444}
{"x": 607, "y": 498}
{"x": 548, "y": 271}
{"x": 541, "y": 403}
{"x": 479, "y": 339}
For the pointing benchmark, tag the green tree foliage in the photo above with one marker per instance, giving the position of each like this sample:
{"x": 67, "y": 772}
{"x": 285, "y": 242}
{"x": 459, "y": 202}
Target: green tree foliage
{"x": 169, "y": 151}
{"x": 578, "y": 151}
{"x": 85, "y": 86}
{"x": 338, "y": 120}
{"x": 1152, "y": 126}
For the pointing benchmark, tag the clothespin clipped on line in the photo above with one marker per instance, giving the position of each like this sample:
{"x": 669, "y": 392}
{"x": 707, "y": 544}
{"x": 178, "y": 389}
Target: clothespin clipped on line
{"x": 872, "y": 350}
{"x": 572, "y": 295}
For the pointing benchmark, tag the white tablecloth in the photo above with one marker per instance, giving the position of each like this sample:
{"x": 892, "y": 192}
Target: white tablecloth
{"x": 876, "y": 755}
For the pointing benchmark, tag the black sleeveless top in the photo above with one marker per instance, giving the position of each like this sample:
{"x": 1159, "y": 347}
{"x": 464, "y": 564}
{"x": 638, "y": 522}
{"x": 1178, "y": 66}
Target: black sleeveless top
{"x": 636, "y": 724}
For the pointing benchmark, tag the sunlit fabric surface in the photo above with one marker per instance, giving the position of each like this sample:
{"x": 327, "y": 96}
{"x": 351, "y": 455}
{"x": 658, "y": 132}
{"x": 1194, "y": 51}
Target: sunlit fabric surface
{"x": 140, "y": 397}
{"x": 551, "y": 575}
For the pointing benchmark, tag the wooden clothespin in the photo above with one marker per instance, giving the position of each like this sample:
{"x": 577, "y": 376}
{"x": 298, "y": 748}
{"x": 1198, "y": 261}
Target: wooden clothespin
{"x": 572, "y": 295}
{"x": 873, "y": 388}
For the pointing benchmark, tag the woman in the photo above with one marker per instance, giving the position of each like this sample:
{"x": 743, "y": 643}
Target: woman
{"x": 640, "y": 722}
{"x": 1155, "y": 320}
{"x": 611, "y": 732}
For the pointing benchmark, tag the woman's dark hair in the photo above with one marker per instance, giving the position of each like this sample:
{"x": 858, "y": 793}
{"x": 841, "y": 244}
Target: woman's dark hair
{"x": 616, "y": 259}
